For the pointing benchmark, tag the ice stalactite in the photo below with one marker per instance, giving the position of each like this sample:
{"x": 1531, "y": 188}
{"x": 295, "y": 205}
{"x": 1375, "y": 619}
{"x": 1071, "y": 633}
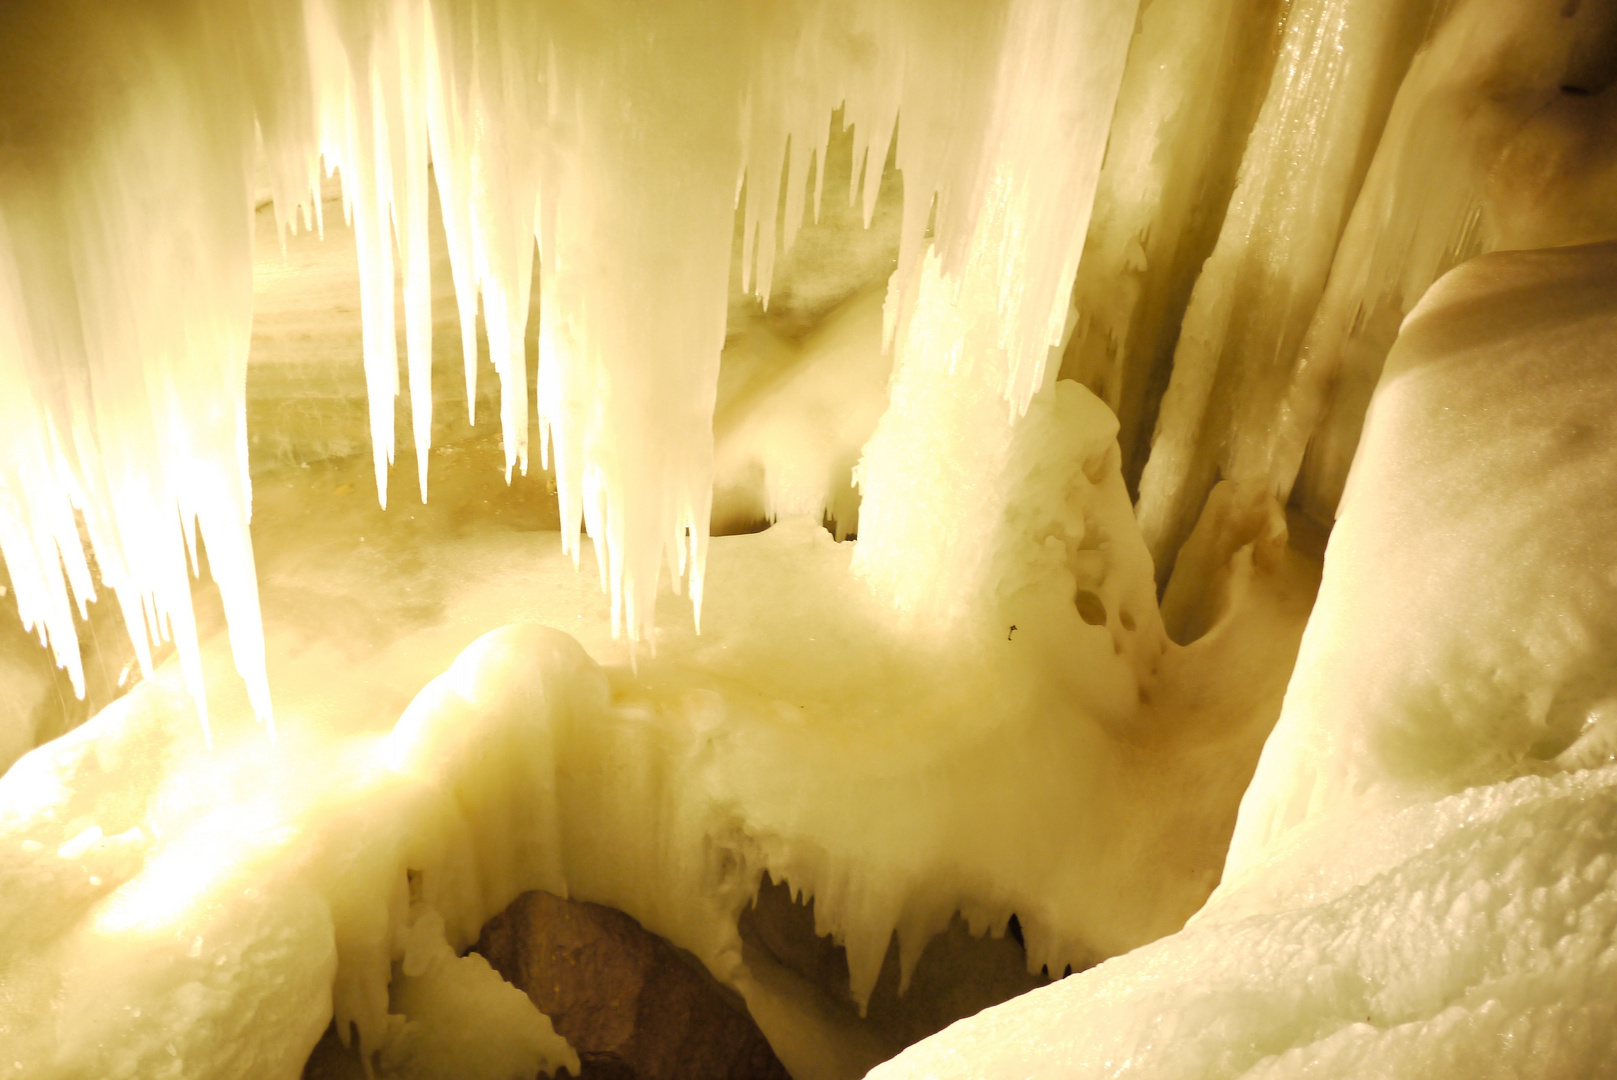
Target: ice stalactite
{"x": 125, "y": 307}
{"x": 617, "y": 139}
{"x": 637, "y": 213}
{"x": 368, "y": 75}
{"x": 1339, "y": 67}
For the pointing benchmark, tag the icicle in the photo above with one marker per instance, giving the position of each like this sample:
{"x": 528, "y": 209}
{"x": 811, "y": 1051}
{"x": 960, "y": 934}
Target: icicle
{"x": 369, "y": 73}
{"x": 125, "y": 330}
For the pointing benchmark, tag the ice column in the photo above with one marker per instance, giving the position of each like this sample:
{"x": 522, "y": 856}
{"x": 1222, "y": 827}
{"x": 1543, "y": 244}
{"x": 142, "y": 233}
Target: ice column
{"x": 982, "y": 308}
{"x": 1195, "y": 78}
{"x": 1340, "y": 64}
{"x": 1493, "y": 71}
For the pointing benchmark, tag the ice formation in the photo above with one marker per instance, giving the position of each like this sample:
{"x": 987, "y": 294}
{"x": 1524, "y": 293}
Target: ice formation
{"x": 788, "y": 447}
{"x": 614, "y": 137}
{"x": 1376, "y": 163}
{"x": 856, "y": 762}
{"x": 1215, "y": 215}
{"x": 1422, "y": 878}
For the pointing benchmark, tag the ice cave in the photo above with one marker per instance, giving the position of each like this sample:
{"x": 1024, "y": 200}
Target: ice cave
{"x": 739, "y": 539}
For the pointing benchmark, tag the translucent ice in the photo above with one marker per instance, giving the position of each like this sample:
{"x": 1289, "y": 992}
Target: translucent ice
{"x": 614, "y": 136}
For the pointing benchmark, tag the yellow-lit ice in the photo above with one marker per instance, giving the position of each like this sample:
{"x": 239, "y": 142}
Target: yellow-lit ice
{"x": 610, "y": 139}
{"x": 978, "y": 708}
{"x": 1423, "y": 879}
{"x": 878, "y": 773}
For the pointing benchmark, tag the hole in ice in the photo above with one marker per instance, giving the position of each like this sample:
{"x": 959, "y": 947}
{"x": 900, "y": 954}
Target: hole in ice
{"x": 1091, "y": 608}
{"x": 1126, "y": 619}
{"x": 1575, "y": 91}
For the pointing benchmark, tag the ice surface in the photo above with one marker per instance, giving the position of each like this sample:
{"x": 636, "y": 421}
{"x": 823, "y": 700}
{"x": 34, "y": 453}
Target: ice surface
{"x": 1470, "y": 937}
{"x": 221, "y": 903}
{"x": 461, "y": 1019}
{"x": 1486, "y": 445}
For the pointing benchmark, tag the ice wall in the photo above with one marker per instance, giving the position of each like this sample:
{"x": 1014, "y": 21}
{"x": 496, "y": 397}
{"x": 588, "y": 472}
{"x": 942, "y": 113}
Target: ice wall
{"x": 1496, "y": 84}
{"x": 1393, "y": 142}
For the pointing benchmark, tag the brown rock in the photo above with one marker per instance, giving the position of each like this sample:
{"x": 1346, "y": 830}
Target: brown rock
{"x": 632, "y": 1006}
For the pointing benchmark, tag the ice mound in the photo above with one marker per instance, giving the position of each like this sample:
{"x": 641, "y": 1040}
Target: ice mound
{"x": 171, "y": 910}
{"x": 1465, "y": 631}
{"x": 1422, "y": 878}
